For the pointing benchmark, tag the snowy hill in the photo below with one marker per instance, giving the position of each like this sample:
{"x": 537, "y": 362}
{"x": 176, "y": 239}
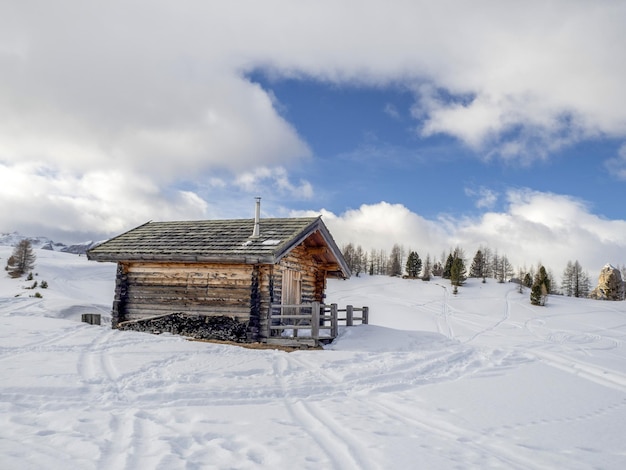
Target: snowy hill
{"x": 477, "y": 380}
{"x": 44, "y": 243}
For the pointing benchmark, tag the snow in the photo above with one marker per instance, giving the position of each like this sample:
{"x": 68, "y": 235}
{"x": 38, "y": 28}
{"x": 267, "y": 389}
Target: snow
{"x": 481, "y": 379}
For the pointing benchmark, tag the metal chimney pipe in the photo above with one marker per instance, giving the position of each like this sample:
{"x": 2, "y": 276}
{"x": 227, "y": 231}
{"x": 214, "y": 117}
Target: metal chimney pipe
{"x": 257, "y": 219}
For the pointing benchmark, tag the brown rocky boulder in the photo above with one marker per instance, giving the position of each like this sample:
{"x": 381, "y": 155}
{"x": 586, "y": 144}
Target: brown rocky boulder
{"x": 610, "y": 285}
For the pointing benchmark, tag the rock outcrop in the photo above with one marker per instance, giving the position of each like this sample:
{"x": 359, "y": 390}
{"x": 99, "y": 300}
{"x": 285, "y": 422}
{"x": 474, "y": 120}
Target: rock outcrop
{"x": 610, "y": 285}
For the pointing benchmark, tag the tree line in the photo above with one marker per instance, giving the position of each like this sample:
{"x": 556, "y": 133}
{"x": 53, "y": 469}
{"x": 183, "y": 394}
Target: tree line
{"x": 485, "y": 264}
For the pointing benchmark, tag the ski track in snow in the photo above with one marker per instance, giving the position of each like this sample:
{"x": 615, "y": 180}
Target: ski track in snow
{"x": 471, "y": 448}
{"x": 90, "y": 397}
{"x": 339, "y": 448}
{"x": 600, "y": 375}
{"x": 443, "y": 319}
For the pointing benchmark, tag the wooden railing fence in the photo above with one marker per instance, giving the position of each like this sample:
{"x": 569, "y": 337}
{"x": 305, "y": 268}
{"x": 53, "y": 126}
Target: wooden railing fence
{"x": 314, "y": 321}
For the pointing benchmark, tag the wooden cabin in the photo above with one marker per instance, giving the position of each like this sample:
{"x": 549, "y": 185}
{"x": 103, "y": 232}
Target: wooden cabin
{"x": 236, "y": 269}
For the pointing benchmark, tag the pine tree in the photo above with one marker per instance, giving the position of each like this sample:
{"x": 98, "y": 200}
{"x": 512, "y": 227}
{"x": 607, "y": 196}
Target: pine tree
{"x": 457, "y": 269}
{"x": 528, "y": 280}
{"x": 413, "y": 265}
{"x": 457, "y": 272}
{"x": 21, "y": 260}
{"x": 478, "y": 265}
{"x": 540, "y": 288}
{"x": 448, "y": 267}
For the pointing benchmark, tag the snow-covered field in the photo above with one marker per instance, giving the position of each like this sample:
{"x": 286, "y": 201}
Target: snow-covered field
{"x": 477, "y": 380}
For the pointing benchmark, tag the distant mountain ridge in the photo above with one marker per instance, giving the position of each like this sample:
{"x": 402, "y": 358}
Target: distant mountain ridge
{"x": 44, "y": 243}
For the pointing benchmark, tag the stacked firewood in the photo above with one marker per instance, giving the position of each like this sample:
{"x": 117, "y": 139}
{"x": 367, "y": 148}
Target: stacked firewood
{"x": 193, "y": 326}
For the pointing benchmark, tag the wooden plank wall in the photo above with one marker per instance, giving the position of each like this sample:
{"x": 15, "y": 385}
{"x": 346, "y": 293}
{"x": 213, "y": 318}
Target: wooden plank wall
{"x": 205, "y": 289}
{"x": 148, "y": 289}
{"x": 266, "y": 290}
{"x": 313, "y": 278}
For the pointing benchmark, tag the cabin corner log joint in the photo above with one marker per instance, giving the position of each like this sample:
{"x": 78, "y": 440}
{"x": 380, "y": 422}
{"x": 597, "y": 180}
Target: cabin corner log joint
{"x": 240, "y": 269}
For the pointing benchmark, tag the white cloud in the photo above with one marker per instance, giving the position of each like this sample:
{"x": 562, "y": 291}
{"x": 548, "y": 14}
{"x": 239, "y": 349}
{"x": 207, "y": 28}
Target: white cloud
{"x": 617, "y": 165}
{"x": 485, "y": 198}
{"x": 535, "y": 227}
{"x": 391, "y": 111}
{"x": 157, "y": 78}
{"x": 123, "y": 101}
{"x": 275, "y": 180}
{"x": 72, "y": 208}
{"x": 379, "y": 226}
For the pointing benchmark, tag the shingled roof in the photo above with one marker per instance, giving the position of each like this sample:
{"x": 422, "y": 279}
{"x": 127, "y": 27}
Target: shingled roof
{"x": 221, "y": 241}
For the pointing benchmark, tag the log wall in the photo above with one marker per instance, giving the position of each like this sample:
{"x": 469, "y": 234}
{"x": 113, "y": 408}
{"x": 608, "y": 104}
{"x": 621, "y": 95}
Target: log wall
{"x": 242, "y": 292}
{"x": 312, "y": 276}
{"x": 206, "y": 289}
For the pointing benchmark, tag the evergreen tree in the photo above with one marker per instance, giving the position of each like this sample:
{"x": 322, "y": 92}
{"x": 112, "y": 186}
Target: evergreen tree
{"x": 448, "y": 267}
{"x": 413, "y": 265}
{"x": 457, "y": 269}
{"x": 21, "y": 260}
{"x": 478, "y": 265}
{"x": 540, "y": 288}
{"x": 528, "y": 280}
{"x": 457, "y": 272}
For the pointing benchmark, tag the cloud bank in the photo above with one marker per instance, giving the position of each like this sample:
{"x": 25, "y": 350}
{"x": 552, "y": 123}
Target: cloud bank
{"x": 113, "y": 114}
{"x": 535, "y": 227}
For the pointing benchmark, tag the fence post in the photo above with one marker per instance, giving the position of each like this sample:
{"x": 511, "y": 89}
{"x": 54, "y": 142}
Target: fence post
{"x": 366, "y": 315}
{"x": 295, "y": 321}
{"x": 268, "y": 327}
{"x": 349, "y": 315}
{"x": 334, "y": 324}
{"x": 315, "y": 320}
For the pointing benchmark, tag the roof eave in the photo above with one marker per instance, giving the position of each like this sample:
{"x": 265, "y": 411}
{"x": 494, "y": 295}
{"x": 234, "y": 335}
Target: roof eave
{"x": 316, "y": 225}
{"x": 264, "y": 259}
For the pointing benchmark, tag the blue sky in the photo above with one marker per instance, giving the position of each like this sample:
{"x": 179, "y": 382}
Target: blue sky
{"x": 367, "y": 148}
{"x": 429, "y": 124}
